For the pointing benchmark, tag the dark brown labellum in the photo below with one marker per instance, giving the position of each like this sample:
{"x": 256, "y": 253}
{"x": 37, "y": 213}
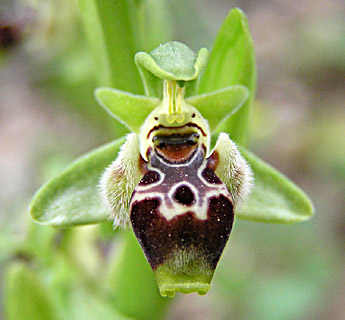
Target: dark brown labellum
{"x": 182, "y": 215}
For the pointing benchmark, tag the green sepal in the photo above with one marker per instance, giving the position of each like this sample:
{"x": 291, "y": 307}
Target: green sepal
{"x": 232, "y": 62}
{"x": 26, "y": 296}
{"x": 72, "y": 198}
{"x": 274, "y": 198}
{"x": 173, "y": 61}
{"x": 219, "y": 105}
{"x": 129, "y": 109}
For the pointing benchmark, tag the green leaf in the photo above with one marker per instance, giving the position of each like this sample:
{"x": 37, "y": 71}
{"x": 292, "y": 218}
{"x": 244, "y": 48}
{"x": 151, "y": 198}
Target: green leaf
{"x": 72, "y": 198}
{"x": 129, "y": 109}
{"x": 40, "y": 244}
{"x": 231, "y": 62}
{"x": 219, "y": 105}
{"x": 112, "y": 32}
{"x": 86, "y": 305}
{"x": 26, "y": 297}
{"x": 132, "y": 284}
{"x": 274, "y": 197}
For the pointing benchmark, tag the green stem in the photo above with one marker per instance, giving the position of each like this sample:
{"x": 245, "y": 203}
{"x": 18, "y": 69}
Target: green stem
{"x": 112, "y": 34}
{"x": 133, "y": 285}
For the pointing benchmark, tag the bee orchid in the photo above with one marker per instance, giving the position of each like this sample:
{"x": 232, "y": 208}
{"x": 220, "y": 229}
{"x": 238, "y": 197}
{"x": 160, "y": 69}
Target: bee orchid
{"x": 177, "y": 193}
{"x": 178, "y": 179}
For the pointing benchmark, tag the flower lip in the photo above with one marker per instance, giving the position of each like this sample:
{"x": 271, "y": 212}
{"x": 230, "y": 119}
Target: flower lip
{"x": 169, "y": 290}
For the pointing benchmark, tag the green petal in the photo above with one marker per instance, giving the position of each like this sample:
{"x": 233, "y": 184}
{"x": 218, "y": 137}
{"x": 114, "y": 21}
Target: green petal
{"x": 173, "y": 61}
{"x": 72, "y": 198}
{"x": 274, "y": 197}
{"x": 129, "y": 109}
{"x": 219, "y": 105}
{"x": 26, "y": 296}
{"x": 153, "y": 86}
{"x": 231, "y": 62}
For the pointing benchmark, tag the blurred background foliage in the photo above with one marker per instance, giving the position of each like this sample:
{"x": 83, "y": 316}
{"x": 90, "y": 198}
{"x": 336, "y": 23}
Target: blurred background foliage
{"x": 48, "y": 116}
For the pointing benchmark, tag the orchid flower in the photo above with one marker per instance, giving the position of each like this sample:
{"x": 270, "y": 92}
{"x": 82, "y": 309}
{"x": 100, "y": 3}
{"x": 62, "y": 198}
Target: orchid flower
{"x": 182, "y": 175}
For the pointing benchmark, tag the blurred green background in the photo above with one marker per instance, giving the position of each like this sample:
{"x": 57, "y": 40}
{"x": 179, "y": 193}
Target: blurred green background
{"x": 48, "y": 117}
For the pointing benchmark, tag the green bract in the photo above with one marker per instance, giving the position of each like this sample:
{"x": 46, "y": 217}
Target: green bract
{"x": 232, "y": 62}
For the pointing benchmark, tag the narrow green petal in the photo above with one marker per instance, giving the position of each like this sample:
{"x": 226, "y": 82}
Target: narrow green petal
{"x": 232, "y": 62}
{"x": 153, "y": 86}
{"x": 274, "y": 197}
{"x": 131, "y": 110}
{"x": 26, "y": 297}
{"x": 219, "y": 105}
{"x": 72, "y": 198}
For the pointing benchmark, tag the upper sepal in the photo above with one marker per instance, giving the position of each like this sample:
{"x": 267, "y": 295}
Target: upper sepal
{"x": 72, "y": 197}
{"x": 173, "y": 61}
{"x": 274, "y": 198}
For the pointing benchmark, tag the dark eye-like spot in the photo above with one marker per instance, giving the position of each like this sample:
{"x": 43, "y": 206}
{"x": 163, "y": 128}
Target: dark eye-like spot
{"x": 210, "y": 176}
{"x": 156, "y": 118}
{"x": 150, "y": 177}
{"x": 193, "y": 115}
{"x": 184, "y": 195}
